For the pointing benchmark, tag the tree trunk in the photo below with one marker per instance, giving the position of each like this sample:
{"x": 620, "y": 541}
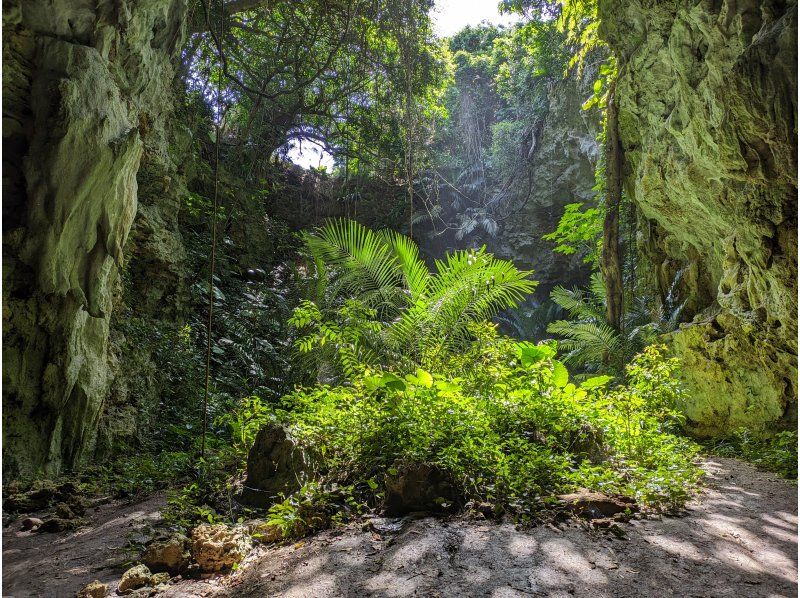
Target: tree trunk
{"x": 611, "y": 260}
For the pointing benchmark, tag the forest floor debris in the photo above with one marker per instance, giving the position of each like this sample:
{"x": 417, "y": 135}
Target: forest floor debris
{"x": 737, "y": 538}
{"x": 58, "y": 565}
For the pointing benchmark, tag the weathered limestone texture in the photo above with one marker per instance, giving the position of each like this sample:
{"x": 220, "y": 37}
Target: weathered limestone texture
{"x": 707, "y": 96}
{"x": 83, "y": 82}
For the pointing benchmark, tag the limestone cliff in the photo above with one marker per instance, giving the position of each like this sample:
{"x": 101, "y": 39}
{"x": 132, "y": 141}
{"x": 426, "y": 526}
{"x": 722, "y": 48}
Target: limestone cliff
{"x": 554, "y": 166}
{"x": 707, "y": 109}
{"x": 563, "y": 153}
{"x": 85, "y": 84}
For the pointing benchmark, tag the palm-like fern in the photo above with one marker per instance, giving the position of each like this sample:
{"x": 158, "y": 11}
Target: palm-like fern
{"x": 588, "y": 341}
{"x": 422, "y": 313}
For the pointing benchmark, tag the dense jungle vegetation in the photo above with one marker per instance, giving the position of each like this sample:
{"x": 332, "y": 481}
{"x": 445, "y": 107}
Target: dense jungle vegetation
{"x": 359, "y": 311}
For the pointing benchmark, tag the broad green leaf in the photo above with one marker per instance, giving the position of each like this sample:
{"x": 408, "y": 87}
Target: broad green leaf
{"x": 530, "y": 353}
{"x": 373, "y": 383}
{"x": 393, "y": 382}
{"x": 445, "y": 386}
{"x": 560, "y": 374}
{"x": 424, "y": 378}
{"x": 596, "y": 382}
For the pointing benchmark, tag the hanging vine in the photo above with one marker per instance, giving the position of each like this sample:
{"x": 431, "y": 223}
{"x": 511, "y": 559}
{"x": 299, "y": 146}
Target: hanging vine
{"x": 215, "y": 210}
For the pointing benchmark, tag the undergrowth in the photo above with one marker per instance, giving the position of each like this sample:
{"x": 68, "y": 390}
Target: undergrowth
{"x": 412, "y": 373}
{"x": 776, "y": 452}
{"x": 503, "y": 421}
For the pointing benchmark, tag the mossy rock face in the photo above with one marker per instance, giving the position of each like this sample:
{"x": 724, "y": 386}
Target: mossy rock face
{"x": 736, "y": 377}
{"x": 706, "y": 94}
{"x": 80, "y": 79}
{"x": 563, "y": 153}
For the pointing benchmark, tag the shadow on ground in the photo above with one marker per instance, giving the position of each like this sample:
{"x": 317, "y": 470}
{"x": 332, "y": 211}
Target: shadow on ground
{"x": 58, "y": 565}
{"x": 738, "y": 538}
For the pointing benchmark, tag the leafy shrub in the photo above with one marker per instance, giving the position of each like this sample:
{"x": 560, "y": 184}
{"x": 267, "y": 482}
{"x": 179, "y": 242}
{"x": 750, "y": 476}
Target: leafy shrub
{"x": 776, "y": 452}
{"x": 505, "y": 422}
{"x": 589, "y": 342}
{"x": 579, "y": 232}
{"x": 378, "y": 302}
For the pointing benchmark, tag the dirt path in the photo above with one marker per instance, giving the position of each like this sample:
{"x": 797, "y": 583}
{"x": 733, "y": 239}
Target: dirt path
{"x": 58, "y": 565}
{"x": 739, "y": 538}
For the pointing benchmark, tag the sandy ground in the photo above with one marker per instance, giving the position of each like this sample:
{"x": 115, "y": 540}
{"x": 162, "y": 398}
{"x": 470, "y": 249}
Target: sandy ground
{"x": 738, "y": 538}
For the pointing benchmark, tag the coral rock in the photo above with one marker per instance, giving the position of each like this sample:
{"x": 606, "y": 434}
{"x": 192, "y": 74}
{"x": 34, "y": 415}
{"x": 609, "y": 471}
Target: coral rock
{"x": 218, "y": 547}
{"x": 134, "y": 578}
{"x": 170, "y": 555}
{"x": 96, "y": 589}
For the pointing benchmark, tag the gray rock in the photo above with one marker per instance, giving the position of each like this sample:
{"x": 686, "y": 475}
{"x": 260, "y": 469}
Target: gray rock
{"x": 275, "y": 464}
{"x": 420, "y": 487}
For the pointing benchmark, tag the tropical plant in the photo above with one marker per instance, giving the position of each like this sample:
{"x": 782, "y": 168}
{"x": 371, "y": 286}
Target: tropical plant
{"x": 420, "y": 314}
{"x": 503, "y": 420}
{"x": 579, "y": 232}
{"x": 588, "y": 341}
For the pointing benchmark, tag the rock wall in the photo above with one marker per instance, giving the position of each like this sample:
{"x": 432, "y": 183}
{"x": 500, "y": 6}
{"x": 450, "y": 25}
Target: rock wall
{"x": 85, "y": 83}
{"x": 562, "y": 160}
{"x": 707, "y": 108}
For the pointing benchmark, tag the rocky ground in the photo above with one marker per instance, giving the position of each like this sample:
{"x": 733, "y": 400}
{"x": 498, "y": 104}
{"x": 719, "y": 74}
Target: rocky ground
{"x": 58, "y": 564}
{"x": 737, "y": 538}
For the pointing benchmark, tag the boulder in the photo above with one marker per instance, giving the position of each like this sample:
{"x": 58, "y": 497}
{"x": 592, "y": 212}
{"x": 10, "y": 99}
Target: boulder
{"x": 596, "y": 505}
{"x": 275, "y": 465}
{"x": 170, "y": 555}
{"x": 420, "y": 487}
{"x": 56, "y": 524}
{"x": 134, "y": 578}
{"x": 96, "y": 589}
{"x": 31, "y": 523}
{"x": 218, "y": 547}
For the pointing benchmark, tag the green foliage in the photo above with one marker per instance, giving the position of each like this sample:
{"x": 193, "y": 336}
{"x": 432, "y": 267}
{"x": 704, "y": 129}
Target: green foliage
{"x": 588, "y": 341}
{"x": 579, "y": 232}
{"x": 131, "y": 476}
{"x": 772, "y": 452}
{"x": 504, "y": 421}
{"x": 245, "y": 421}
{"x": 350, "y": 337}
{"x": 405, "y": 311}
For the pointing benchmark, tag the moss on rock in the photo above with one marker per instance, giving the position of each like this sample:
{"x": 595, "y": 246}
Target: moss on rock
{"x": 707, "y": 100}
{"x": 79, "y": 79}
